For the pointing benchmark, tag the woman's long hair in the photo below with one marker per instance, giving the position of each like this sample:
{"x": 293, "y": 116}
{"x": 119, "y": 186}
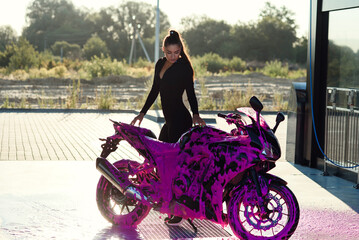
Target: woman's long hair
{"x": 174, "y": 37}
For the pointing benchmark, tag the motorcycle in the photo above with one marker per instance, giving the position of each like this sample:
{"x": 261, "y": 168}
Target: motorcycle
{"x": 208, "y": 174}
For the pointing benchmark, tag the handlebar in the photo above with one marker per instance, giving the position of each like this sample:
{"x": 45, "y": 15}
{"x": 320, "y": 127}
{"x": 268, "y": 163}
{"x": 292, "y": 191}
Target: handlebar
{"x": 221, "y": 115}
{"x": 232, "y": 118}
{"x": 229, "y": 116}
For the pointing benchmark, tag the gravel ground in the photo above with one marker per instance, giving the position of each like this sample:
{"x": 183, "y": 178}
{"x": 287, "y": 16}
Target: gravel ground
{"x": 126, "y": 88}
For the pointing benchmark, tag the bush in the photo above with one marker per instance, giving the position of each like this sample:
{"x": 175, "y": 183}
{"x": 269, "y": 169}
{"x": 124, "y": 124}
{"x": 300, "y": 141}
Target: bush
{"x": 199, "y": 69}
{"x": 300, "y": 73}
{"x": 213, "y": 63}
{"x": 38, "y": 73}
{"x": 20, "y": 74}
{"x": 105, "y": 100}
{"x": 205, "y": 101}
{"x": 56, "y": 72}
{"x": 73, "y": 94}
{"x": 143, "y": 63}
{"x": 102, "y": 67}
{"x": 72, "y": 51}
{"x": 139, "y": 72}
{"x": 276, "y": 69}
{"x": 278, "y": 103}
{"x": 75, "y": 65}
{"x": 45, "y": 60}
{"x": 2, "y": 71}
{"x": 95, "y": 47}
{"x": 6, "y": 103}
{"x": 237, "y": 64}
{"x": 236, "y": 98}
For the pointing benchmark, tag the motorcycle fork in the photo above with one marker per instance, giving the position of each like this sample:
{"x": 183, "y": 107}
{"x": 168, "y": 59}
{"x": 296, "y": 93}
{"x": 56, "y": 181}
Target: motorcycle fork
{"x": 260, "y": 195}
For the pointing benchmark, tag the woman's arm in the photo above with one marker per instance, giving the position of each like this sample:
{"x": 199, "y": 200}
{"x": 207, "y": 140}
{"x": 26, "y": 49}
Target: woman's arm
{"x": 191, "y": 95}
{"x": 197, "y": 120}
{"x": 138, "y": 118}
{"x": 189, "y": 86}
{"x": 155, "y": 89}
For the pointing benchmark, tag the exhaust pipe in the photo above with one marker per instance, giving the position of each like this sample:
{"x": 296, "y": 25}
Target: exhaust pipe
{"x": 120, "y": 181}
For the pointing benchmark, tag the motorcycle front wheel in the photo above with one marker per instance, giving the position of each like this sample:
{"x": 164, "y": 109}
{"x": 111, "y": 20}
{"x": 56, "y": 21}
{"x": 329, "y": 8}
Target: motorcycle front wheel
{"x": 277, "y": 219}
{"x": 116, "y": 207}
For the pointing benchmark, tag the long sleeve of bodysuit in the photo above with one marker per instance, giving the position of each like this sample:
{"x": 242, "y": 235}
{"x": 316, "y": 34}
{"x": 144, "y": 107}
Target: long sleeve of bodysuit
{"x": 190, "y": 91}
{"x": 177, "y": 79}
{"x": 154, "y": 90}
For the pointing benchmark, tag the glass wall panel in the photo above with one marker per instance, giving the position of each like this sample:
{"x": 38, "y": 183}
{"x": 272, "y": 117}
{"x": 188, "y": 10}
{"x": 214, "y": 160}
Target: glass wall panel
{"x": 342, "y": 112}
{"x": 343, "y": 53}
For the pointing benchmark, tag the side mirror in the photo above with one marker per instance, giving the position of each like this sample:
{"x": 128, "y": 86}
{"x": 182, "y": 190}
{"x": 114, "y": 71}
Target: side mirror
{"x": 280, "y": 118}
{"x": 256, "y": 104}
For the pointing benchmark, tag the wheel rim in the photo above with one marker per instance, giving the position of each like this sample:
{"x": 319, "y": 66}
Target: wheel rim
{"x": 269, "y": 221}
{"x": 115, "y": 206}
{"x": 119, "y": 204}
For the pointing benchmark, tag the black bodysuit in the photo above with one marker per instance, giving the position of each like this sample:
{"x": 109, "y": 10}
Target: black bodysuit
{"x": 176, "y": 79}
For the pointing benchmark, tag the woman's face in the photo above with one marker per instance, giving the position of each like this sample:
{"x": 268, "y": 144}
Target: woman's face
{"x": 172, "y": 52}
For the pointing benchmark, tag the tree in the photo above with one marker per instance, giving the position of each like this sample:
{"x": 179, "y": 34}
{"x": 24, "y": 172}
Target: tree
{"x": 112, "y": 32}
{"x": 278, "y": 31}
{"x": 343, "y": 66}
{"x": 6, "y": 55}
{"x": 272, "y": 37}
{"x": 206, "y": 35}
{"x": 55, "y": 20}
{"x": 141, "y": 17}
{"x": 7, "y": 37}
{"x": 51, "y": 21}
{"x": 22, "y": 55}
{"x": 69, "y": 50}
{"x": 301, "y": 50}
{"x": 94, "y": 47}
{"x": 246, "y": 41}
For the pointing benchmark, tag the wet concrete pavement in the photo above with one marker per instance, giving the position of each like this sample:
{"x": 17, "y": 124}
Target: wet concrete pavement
{"x": 49, "y": 191}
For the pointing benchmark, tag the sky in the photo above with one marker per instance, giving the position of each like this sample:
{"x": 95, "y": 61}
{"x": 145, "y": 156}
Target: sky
{"x": 232, "y": 11}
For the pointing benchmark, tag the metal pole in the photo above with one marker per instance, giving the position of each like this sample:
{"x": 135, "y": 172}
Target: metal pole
{"x": 143, "y": 47}
{"x": 325, "y": 171}
{"x": 157, "y": 41}
{"x": 131, "y": 52}
{"x": 62, "y": 53}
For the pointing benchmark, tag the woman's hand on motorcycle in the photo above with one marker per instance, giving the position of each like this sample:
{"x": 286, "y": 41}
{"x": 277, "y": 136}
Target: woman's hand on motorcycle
{"x": 198, "y": 121}
{"x": 138, "y": 118}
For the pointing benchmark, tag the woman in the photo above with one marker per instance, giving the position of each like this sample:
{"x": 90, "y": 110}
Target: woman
{"x": 173, "y": 75}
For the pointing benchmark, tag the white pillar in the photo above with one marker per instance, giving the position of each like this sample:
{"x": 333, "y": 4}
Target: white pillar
{"x": 157, "y": 41}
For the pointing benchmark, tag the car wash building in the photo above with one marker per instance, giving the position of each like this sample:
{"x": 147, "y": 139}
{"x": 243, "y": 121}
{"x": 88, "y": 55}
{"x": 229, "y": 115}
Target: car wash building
{"x": 323, "y": 116}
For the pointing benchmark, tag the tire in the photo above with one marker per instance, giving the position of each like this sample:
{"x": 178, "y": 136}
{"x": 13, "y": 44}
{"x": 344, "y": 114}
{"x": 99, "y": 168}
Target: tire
{"x": 116, "y": 207}
{"x": 279, "y": 221}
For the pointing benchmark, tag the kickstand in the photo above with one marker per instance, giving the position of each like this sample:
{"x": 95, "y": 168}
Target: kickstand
{"x": 190, "y": 221}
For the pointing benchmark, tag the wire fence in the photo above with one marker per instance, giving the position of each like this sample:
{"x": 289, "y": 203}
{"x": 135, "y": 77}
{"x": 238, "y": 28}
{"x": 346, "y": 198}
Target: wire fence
{"x": 342, "y": 127}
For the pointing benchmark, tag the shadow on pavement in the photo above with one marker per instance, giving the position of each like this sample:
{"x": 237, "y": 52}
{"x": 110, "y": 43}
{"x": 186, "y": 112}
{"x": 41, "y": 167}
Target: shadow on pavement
{"x": 339, "y": 187}
{"x": 118, "y": 232}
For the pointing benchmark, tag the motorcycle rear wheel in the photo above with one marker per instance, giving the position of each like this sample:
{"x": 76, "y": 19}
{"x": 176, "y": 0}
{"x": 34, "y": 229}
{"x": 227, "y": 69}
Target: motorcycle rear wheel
{"x": 116, "y": 207}
{"x": 279, "y": 220}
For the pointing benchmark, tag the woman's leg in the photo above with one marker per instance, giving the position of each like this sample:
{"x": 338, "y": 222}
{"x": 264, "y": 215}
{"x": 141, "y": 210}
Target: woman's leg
{"x": 164, "y": 134}
{"x": 177, "y": 127}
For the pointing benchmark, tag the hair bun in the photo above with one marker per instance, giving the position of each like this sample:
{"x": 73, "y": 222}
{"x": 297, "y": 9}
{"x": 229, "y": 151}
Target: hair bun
{"x": 173, "y": 33}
